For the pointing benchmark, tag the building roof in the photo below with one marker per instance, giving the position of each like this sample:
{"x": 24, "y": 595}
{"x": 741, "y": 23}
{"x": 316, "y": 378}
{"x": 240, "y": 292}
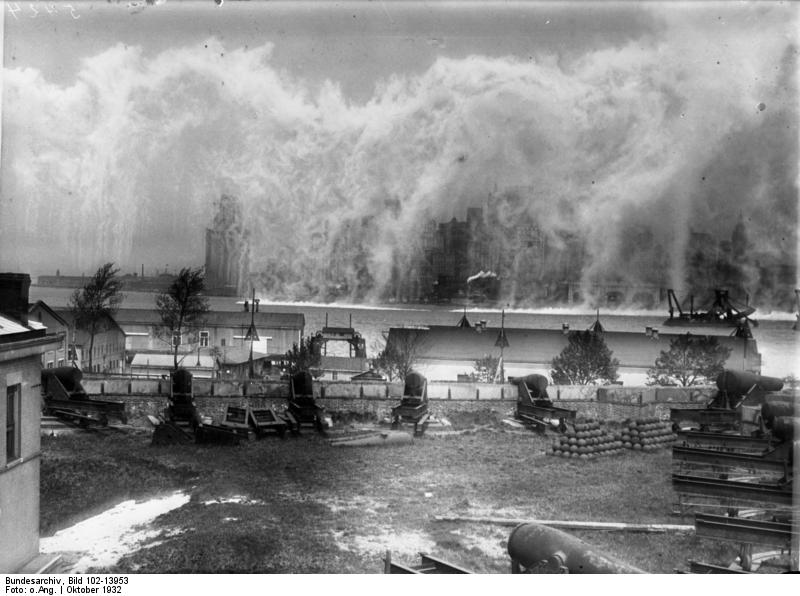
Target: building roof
{"x": 235, "y": 356}
{"x": 129, "y": 318}
{"x": 42, "y": 305}
{"x": 155, "y": 360}
{"x": 537, "y": 346}
{"x": 10, "y": 326}
{"x": 69, "y": 318}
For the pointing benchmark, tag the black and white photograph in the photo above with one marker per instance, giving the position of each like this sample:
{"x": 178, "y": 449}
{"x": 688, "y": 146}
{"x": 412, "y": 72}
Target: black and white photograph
{"x": 371, "y": 287}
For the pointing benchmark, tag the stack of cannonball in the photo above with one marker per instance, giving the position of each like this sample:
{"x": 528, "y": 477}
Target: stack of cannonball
{"x": 587, "y": 440}
{"x": 647, "y": 434}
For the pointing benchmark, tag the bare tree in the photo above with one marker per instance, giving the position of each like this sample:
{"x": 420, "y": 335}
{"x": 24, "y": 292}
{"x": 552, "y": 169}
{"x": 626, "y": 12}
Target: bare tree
{"x": 402, "y": 351}
{"x": 93, "y": 305}
{"x": 182, "y": 307}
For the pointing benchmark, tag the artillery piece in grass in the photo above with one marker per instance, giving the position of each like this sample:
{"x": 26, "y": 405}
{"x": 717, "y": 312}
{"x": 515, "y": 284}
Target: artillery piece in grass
{"x": 413, "y": 408}
{"x": 303, "y": 410}
{"x": 534, "y": 407}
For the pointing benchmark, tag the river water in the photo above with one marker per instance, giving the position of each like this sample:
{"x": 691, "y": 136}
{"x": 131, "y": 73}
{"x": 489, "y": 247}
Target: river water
{"x": 778, "y": 343}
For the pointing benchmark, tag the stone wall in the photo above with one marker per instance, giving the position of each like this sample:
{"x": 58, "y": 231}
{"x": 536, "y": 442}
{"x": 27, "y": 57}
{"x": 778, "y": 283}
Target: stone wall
{"x": 612, "y": 402}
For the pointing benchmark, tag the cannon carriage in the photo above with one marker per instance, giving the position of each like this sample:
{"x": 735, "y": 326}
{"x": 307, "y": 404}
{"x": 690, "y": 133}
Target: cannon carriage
{"x": 302, "y": 409}
{"x": 534, "y": 407}
{"x": 65, "y": 398}
{"x": 182, "y": 422}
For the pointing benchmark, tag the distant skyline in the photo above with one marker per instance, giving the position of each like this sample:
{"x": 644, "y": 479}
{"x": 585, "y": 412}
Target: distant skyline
{"x": 123, "y": 127}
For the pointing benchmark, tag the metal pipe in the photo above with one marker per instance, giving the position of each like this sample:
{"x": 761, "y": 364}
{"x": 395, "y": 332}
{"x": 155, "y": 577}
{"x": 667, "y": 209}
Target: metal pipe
{"x": 539, "y": 549}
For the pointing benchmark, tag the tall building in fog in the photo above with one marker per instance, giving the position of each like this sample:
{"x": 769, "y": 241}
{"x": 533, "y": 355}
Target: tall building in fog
{"x": 227, "y": 249}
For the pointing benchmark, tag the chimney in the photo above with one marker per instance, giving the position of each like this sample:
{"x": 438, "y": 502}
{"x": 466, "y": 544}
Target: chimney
{"x": 14, "y": 296}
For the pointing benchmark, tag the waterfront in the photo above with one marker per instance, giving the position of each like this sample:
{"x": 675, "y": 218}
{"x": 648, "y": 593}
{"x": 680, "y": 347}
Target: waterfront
{"x": 777, "y": 342}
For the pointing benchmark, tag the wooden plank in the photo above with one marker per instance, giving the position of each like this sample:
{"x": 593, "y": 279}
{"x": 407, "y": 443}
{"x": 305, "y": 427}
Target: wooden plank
{"x": 574, "y": 525}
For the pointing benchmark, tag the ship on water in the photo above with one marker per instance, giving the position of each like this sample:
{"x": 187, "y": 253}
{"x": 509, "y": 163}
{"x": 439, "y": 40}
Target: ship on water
{"x": 723, "y": 312}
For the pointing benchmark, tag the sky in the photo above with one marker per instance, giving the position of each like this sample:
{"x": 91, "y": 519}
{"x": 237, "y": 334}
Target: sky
{"x": 124, "y": 123}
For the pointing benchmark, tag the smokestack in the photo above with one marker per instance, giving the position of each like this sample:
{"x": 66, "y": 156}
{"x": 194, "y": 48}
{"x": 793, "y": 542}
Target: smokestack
{"x": 14, "y": 295}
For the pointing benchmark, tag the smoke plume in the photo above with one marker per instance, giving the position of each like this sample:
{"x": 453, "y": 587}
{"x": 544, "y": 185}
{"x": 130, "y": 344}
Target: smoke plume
{"x": 629, "y": 148}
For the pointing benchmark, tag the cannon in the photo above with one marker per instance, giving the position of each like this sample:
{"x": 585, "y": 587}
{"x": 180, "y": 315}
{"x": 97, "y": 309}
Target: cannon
{"x": 736, "y": 385}
{"x": 413, "y": 408}
{"x": 734, "y": 389}
{"x": 183, "y": 423}
{"x": 534, "y": 406}
{"x": 303, "y": 410}
{"x": 535, "y": 548}
{"x": 65, "y": 398}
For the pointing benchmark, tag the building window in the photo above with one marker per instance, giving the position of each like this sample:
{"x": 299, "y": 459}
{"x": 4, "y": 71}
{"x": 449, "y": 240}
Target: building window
{"x": 222, "y": 342}
{"x": 204, "y": 339}
{"x": 176, "y": 339}
{"x": 60, "y": 362}
{"x": 12, "y": 422}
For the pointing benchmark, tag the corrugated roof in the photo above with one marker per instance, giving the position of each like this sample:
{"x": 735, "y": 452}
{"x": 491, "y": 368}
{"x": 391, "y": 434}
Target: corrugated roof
{"x": 167, "y": 360}
{"x": 132, "y": 317}
{"x": 10, "y": 326}
{"x": 538, "y": 346}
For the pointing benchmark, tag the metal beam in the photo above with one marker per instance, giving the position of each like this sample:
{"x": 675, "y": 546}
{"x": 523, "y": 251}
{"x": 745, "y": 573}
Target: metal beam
{"x": 751, "y": 491}
{"x": 713, "y": 457}
{"x": 741, "y": 530}
{"x": 724, "y": 441}
{"x": 698, "y": 567}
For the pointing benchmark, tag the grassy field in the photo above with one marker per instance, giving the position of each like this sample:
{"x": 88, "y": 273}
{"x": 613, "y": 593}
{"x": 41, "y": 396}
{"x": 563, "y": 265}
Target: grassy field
{"x": 306, "y": 507}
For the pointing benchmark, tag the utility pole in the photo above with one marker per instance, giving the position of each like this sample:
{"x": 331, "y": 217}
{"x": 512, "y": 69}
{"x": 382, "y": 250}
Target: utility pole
{"x": 252, "y": 334}
{"x": 502, "y": 342}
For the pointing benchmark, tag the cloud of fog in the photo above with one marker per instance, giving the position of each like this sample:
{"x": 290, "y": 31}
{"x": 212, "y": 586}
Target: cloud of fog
{"x": 628, "y": 148}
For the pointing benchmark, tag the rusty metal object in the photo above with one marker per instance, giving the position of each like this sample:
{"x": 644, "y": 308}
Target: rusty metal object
{"x": 539, "y": 549}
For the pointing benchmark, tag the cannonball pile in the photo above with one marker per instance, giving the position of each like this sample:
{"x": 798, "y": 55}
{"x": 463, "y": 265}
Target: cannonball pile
{"x": 647, "y": 434}
{"x": 587, "y": 440}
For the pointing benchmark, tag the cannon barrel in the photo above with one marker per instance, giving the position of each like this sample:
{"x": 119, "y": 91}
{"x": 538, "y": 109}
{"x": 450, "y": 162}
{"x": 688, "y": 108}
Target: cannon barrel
{"x": 738, "y": 382}
{"x": 536, "y": 384}
{"x": 533, "y": 546}
{"x": 69, "y": 376}
{"x": 302, "y": 383}
{"x": 181, "y": 381}
{"x": 415, "y": 385}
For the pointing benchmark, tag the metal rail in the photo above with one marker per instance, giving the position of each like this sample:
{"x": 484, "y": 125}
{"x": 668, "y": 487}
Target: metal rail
{"x": 713, "y": 457}
{"x": 752, "y": 491}
{"x": 724, "y": 441}
{"x": 741, "y": 530}
{"x": 698, "y": 567}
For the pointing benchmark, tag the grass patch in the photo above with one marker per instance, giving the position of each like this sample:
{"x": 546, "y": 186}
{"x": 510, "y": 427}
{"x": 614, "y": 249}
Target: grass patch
{"x": 307, "y": 507}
